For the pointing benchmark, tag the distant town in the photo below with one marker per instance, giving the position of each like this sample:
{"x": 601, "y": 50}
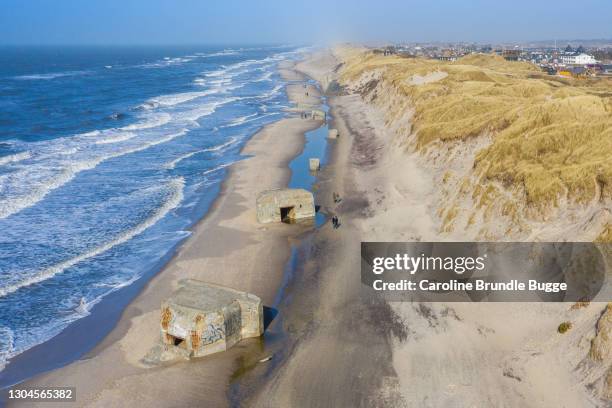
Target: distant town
{"x": 569, "y": 60}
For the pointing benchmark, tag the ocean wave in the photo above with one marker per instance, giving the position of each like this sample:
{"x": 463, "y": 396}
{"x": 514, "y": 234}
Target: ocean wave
{"x": 13, "y": 158}
{"x": 175, "y": 99}
{"x": 240, "y": 120}
{"x": 265, "y": 77}
{"x": 50, "y": 75}
{"x": 175, "y": 196}
{"x": 7, "y": 345}
{"x": 29, "y": 185}
{"x": 219, "y": 167}
{"x": 271, "y": 93}
{"x": 205, "y": 110}
{"x": 15, "y": 204}
{"x": 220, "y": 53}
{"x": 222, "y": 146}
{"x": 172, "y": 164}
{"x": 165, "y": 62}
{"x": 119, "y": 137}
{"x": 151, "y": 122}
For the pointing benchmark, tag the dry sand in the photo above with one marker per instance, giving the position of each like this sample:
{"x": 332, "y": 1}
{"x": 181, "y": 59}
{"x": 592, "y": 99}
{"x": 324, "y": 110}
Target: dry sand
{"x": 227, "y": 247}
{"x": 465, "y": 354}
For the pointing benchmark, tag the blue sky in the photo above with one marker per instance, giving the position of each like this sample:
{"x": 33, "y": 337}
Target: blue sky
{"x": 274, "y": 21}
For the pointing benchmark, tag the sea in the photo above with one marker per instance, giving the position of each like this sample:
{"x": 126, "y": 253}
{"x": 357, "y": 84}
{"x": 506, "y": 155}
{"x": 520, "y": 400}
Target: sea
{"x": 107, "y": 156}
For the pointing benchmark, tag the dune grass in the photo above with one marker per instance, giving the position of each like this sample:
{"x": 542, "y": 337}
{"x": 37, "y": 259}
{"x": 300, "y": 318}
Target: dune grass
{"x": 551, "y": 136}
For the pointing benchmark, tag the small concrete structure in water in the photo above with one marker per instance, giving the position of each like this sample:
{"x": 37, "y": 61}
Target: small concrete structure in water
{"x": 318, "y": 114}
{"x": 202, "y": 318}
{"x": 332, "y": 134}
{"x": 314, "y": 164}
{"x": 285, "y": 205}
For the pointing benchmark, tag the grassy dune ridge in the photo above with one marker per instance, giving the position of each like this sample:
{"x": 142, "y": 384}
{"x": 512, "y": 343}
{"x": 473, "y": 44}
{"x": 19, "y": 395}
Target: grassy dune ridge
{"x": 551, "y": 137}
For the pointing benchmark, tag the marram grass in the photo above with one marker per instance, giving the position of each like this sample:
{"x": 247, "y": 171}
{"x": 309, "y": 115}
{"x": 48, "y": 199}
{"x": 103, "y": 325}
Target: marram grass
{"x": 550, "y": 136}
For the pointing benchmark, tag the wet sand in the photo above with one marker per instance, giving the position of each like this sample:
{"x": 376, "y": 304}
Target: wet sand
{"x": 227, "y": 247}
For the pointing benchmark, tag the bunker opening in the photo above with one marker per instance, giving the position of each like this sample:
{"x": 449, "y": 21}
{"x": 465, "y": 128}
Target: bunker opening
{"x": 177, "y": 341}
{"x": 287, "y": 214}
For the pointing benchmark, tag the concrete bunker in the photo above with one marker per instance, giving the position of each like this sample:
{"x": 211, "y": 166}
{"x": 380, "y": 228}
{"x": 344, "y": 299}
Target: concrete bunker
{"x": 285, "y": 205}
{"x": 314, "y": 164}
{"x": 309, "y": 111}
{"x": 201, "y": 318}
{"x": 318, "y": 114}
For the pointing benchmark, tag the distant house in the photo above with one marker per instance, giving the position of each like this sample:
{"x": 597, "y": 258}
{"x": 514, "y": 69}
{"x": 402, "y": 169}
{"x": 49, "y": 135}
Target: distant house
{"x": 576, "y": 58}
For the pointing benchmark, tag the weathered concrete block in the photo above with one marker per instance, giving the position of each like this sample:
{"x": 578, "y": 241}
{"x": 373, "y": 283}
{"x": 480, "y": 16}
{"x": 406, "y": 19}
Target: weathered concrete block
{"x": 332, "y": 134}
{"x": 285, "y": 205}
{"x": 202, "y": 318}
{"x": 318, "y": 114}
{"x": 314, "y": 164}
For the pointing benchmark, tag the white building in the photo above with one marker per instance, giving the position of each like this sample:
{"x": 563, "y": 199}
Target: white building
{"x": 578, "y": 59}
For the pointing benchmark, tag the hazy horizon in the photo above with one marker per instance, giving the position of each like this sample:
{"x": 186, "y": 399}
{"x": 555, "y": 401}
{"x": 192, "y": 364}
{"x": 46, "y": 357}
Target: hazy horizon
{"x": 191, "y": 22}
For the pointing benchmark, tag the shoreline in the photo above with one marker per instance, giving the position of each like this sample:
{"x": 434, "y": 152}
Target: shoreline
{"x": 138, "y": 319}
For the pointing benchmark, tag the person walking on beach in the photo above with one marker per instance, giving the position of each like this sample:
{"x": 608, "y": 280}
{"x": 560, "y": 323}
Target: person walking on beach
{"x": 335, "y": 222}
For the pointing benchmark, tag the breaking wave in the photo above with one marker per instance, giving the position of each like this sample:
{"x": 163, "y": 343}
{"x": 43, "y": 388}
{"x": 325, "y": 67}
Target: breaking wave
{"x": 15, "y": 204}
{"x": 175, "y": 196}
{"x": 13, "y": 158}
{"x": 172, "y": 164}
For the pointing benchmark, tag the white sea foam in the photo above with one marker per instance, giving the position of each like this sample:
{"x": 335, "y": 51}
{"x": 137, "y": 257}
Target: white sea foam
{"x": 222, "y": 146}
{"x": 176, "y": 99}
{"x": 205, "y": 110}
{"x": 271, "y": 93}
{"x": 42, "y": 187}
{"x": 172, "y": 164}
{"x": 215, "y": 169}
{"x": 175, "y": 197}
{"x": 50, "y": 75}
{"x": 241, "y": 120}
{"x": 265, "y": 77}
{"x": 91, "y": 134}
{"x": 119, "y": 137}
{"x": 151, "y": 122}
{"x": 165, "y": 62}
{"x": 13, "y": 158}
{"x": 220, "y": 54}
{"x": 6, "y": 345}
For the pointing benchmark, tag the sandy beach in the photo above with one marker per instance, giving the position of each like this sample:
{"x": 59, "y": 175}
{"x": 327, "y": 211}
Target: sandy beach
{"x": 375, "y": 353}
{"x": 227, "y": 247}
